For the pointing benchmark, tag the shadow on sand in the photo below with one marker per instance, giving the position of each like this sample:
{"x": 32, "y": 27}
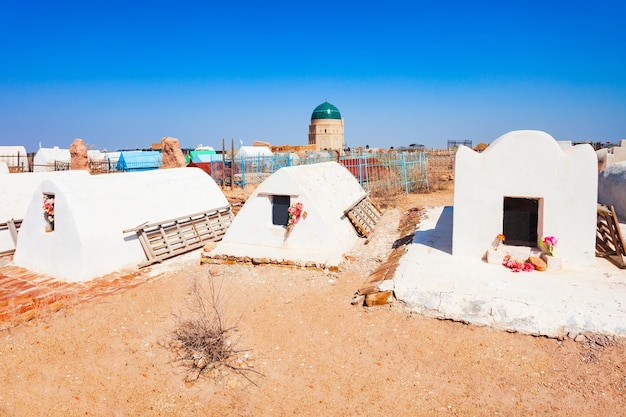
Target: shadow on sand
{"x": 439, "y": 237}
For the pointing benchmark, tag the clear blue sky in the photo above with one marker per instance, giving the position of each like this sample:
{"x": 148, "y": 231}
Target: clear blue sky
{"x": 124, "y": 74}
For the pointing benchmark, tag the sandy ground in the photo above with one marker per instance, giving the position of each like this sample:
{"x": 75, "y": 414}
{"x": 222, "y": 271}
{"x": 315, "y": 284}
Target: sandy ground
{"x": 313, "y": 353}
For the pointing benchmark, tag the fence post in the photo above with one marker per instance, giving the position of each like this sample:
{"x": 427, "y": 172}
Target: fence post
{"x": 425, "y": 169}
{"x": 360, "y": 171}
{"x": 232, "y": 163}
{"x": 406, "y": 177}
{"x": 225, "y": 161}
{"x": 243, "y": 172}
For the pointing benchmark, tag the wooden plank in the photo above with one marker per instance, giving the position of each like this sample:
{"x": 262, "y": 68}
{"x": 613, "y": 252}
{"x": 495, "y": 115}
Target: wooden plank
{"x": 162, "y": 240}
{"x": 14, "y": 226}
{"x": 609, "y": 239}
{"x": 369, "y": 214}
{"x": 147, "y": 248}
{"x": 357, "y": 224}
{"x": 370, "y": 211}
{"x": 618, "y": 232}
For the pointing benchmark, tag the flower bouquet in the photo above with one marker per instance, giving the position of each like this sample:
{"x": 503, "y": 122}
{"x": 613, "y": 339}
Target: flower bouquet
{"x": 296, "y": 212}
{"x": 48, "y": 209}
{"x": 547, "y": 244}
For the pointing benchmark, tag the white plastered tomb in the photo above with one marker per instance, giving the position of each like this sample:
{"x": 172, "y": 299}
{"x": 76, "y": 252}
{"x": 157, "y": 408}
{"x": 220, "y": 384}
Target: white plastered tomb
{"x": 527, "y": 166}
{"x": 16, "y": 193}
{"x": 325, "y": 190}
{"x": 91, "y": 213}
{"x": 612, "y": 188}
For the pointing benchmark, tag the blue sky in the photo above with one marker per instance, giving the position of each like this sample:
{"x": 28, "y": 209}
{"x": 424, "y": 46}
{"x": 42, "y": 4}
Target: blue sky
{"x": 124, "y": 74}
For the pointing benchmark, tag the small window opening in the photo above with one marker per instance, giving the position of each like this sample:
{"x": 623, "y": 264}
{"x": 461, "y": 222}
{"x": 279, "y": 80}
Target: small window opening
{"x": 48, "y": 211}
{"x": 280, "y": 209}
{"x": 520, "y": 221}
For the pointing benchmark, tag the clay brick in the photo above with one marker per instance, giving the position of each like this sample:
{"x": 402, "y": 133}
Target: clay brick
{"x": 56, "y": 306}
{"x": 370, "y": 288}
{"x": 28, "y": 315}
{"x": 378, "y": 298}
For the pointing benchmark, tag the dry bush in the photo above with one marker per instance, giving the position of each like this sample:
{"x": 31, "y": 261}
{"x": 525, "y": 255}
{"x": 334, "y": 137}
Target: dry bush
{"x": 440, "y": 182}
{"x": 202, "y": 340}
{"x": 440, "y": 170}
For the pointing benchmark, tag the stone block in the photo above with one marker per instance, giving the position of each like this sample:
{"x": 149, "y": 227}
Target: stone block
{"x": 378, "y": 298}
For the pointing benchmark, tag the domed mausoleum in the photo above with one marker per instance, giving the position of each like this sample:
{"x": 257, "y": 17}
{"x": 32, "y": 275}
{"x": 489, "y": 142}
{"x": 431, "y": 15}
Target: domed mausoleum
{"x": 326, "y": 128}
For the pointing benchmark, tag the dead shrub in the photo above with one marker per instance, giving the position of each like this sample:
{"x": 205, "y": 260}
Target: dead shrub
{"x": 203, "y": 342}
{"x": 440, "y": 182}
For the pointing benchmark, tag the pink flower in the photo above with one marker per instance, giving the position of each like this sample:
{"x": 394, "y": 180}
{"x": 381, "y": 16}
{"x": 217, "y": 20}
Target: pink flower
{"x": 517, "y": 266}
{"x": 550, "y": 240}
{"x": 548, "y": 244}
{"x": 295, "y": 213}
{"x": 48, "y": 208}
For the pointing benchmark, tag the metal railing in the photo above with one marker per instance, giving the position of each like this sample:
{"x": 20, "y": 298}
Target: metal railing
{"x": 378, "y": 173}
{"x": 18, "y": 162}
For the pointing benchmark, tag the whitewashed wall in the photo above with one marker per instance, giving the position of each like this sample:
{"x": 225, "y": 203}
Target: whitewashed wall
{"x": 612, "y": 188}
{"x": 325, "y": 190}
{"x": 16, "y": 193}
{"x": 91, "y": 213}
{"x": 527, "y": 164}
{"x": 15, "y": 156}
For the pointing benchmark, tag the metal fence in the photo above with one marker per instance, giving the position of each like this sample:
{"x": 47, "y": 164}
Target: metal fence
{"x": 95, "y": 167}
{"x": 440, "y": 168}
{"x": 18, "y": 162}
{"x": 394, "y": 173}
{"x": 378, "y": 173}
{"x": 401, "y": 172}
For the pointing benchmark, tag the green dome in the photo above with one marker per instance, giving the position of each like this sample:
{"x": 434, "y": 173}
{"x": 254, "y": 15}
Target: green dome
{"x": 326, "y": 111}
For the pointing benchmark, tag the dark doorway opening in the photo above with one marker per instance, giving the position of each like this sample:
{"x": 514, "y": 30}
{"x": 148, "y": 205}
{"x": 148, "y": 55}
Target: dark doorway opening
{"x": 519, "y": 223}
{"x": 280, "y": 209}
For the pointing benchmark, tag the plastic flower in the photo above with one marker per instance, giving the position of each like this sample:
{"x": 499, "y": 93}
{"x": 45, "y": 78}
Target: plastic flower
{"x": 498, "y": 240}
{"x": 548, "y": 244}
{"x": 296, "y": 211}
{"x": 517, "y": 265}
{"x": 48, "y": 208}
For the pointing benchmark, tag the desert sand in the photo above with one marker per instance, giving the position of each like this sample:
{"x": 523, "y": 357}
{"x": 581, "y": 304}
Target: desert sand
{"x": 303, "y": 349}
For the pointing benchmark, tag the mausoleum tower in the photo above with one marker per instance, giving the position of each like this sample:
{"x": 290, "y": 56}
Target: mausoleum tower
{"x": 326, "y": 128}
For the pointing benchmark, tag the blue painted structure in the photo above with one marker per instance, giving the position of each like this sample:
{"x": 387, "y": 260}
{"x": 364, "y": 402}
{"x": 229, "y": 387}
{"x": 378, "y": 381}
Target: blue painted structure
{"x": 139, "y": 160}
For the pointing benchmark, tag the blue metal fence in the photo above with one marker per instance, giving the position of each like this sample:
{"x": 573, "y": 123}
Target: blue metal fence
{"x": 378, "y": 173}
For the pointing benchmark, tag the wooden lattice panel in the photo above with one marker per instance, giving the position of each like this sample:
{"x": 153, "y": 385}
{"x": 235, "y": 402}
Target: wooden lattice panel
{"x": 609, "y": 239}
{"x": 364, "y": 215}
{"x": 166, "y": 239}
